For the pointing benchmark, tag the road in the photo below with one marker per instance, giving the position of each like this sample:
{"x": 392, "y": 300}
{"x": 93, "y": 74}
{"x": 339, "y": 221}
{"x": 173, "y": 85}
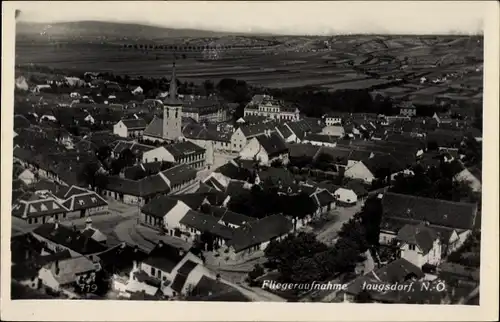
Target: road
{"x": 328, "y": 234}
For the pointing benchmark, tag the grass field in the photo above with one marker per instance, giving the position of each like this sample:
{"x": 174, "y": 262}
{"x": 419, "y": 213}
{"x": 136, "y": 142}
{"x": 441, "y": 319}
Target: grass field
{"x": 274, "y": 61}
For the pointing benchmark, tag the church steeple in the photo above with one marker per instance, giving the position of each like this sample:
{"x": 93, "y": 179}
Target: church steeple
{"x": 172, "y": 98}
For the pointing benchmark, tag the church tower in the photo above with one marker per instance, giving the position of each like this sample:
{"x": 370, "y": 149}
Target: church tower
{"x": 172, "y": 112}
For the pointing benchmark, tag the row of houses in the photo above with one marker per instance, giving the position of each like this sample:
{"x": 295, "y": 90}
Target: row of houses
{"x": 58, "y": 258}
{"x": 53, "y": 202}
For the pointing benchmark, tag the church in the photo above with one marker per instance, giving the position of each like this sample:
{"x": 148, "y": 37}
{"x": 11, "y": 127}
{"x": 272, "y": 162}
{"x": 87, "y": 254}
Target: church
{"x": 169, "y": 128}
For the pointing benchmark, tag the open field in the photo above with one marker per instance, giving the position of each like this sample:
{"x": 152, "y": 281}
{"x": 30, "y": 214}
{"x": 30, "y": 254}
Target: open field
{"x": 331, "y": 63}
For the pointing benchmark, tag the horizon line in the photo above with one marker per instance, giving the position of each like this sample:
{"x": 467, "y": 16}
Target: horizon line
{"x": 255, "y": 33}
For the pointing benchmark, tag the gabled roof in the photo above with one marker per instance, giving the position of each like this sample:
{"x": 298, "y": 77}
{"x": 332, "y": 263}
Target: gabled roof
{"x": 85, "y": 200}
{"x": 37, "y": 206}
{"x": 284, "y": 131}
{"x": 273, "y": 144}
{"x": 133, "y": 124}
{"x": 69, "y": 238}
{"x": 323, "y": 198}
{"x": 159, "y": 206}
{"x": 182, "y": 275}
{"x": 206, "y": 223}
{"x": 383, "y": 162}
{"x": 183, "y": 149}
{"x": 260, "y": 231}
{"x": 67, "y": 270}
{"x": 451, "y": 214}
{"x": 253, "y": 130}
{"x": 164, "y": 257}
{"x": 234, "y": 171}
{"x": 231, "y": 217}
{"x": 396, "y": 271}
{"x": 419, "y": 235}
{"x": 121, "y": 258}
{"x": 154, "y": 128}
{"x": 302, "y": 150}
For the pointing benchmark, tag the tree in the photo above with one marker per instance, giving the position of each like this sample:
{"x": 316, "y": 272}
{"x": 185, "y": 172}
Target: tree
{"x": 363, "y": 297}
{"x": 103, "y": 153}
{"x": 128, "y": 157}
{"x": 283, "y": 254}
{"x": 371, "y": 218}
{"x": 257, "y": 271}
{"x": 88, "y": 173}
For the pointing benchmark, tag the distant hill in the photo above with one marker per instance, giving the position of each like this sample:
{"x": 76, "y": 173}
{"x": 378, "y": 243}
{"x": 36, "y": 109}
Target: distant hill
{"x": 110, "y": 31}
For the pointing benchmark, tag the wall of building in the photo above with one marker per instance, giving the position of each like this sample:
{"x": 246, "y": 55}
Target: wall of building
{"x": 158, "y": 154}
{"x": 359, "y": 171}
{"x": 386, "y": 238}
{"x": 238, "y": 141}
{"x": 120, "y": 129}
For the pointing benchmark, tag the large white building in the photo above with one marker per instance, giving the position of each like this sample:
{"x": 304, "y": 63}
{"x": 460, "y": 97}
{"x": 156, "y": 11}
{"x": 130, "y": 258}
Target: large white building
{"x": 265, "y": 105}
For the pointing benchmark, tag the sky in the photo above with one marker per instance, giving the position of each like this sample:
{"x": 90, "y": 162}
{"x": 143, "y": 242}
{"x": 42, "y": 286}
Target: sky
{"x": 295, "y": 17}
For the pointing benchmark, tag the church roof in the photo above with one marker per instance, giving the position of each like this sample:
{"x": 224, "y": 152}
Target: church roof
{"x": 172, "y": 99}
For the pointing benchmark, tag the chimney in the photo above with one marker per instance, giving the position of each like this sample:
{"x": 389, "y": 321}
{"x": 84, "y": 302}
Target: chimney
{"x": 88, "y": 223}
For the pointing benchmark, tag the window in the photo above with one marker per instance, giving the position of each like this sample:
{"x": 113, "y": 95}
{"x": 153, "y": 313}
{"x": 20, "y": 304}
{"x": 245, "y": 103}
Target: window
{"x": 158, "y": 273}
{"x": 153, "y": 271}
{"x": 411, "y": 247}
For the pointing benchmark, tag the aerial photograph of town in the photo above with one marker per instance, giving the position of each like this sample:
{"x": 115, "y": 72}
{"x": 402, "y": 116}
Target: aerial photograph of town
{"x": 172, "y": 164}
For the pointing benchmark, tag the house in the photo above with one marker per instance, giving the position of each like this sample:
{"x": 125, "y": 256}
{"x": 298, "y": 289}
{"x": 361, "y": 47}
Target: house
{"x": 241, "y": 137}
{"x": 139, "y": 192}
{"x": 320, "y": 139}
{"x": 137, "y": 91}
{"x": 396, "y": 272}
{"x": 130, "y": 128}
{"x": 335, "y": 118}
{"x": 64, "y": 273}
{"x": 164, "y": 213}
{"x": 407, "y": 109}
{"x": 265, "y": 105}
{"x": 254, "y": 237}
{"x": 230, "y": 218}
{"x": 83, "y": 203}
{"x": 381, "y": 166}
{"x": 160, "y": 264}
{"x": 93, "y": 232}
{"x": 58, "y": 237}
{"x": 137, "y": 149}
{"x": 324, "y": 200}
{"x": 209, "y": 109}
{"x": 336, "y": 131}
{"x": 181, "y": 152}
{"x": 195, "y": 223}
{"x": 36, "y": 209}
{"x": 345, "y": 196}
{"x": 453, "y": 221}
{"x": 233, "y": 171}
{"x": 266, "y": 149}
{"x": 419, "y": 244}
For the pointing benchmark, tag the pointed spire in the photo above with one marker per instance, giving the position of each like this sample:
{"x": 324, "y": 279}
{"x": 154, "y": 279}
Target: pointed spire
{"x": 172, "y": 98}
{"x": 173, "y": 83}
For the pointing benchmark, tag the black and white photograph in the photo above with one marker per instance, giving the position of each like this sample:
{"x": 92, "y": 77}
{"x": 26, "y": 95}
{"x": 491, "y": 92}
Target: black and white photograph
{"x": 161, "y": 154}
